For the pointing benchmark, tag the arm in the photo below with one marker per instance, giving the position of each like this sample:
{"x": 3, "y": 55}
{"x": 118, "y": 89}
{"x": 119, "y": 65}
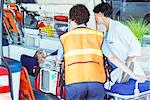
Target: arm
{"x": 120, "y": 64}
{"x": 123, "y": 67}
{"x": 107, "y": 52}
{"x": 129, "y": 59}
{"x": 60, "y": 53}
{"x": 129, "y": 39}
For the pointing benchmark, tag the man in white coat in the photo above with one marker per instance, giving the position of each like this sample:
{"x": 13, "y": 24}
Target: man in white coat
{"x": 119, "y": 40}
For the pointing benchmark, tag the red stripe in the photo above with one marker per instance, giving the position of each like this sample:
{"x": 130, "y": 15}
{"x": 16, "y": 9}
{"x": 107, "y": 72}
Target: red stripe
{"x": 83, "y": 62}
{"x": 4, "y": 89}
{"x": 3, "y": 71}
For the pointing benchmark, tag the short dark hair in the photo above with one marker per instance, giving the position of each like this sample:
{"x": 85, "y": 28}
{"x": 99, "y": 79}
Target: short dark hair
{"x": 79, "y": 13}
{"x": 104, "y": 8}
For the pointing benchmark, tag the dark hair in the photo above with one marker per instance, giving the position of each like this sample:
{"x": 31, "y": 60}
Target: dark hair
{"x": 79, "y": 13}
{"x": 104, "y": 8}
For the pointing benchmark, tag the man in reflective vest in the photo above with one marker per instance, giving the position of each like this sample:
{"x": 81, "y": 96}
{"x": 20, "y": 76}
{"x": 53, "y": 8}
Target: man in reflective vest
{"x": 84, "y": 70}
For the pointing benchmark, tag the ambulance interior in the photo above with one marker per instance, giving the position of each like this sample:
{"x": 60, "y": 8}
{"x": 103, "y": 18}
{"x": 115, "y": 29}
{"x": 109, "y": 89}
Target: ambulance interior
{"x": 39, "y": 26}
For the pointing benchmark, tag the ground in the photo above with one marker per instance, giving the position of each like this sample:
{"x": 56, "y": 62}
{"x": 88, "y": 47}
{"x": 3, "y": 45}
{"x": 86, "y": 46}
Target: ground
{"x": 145, "y": 60}
{"x": 145, "y": 55}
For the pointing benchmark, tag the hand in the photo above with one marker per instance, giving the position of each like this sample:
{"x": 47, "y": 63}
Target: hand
{"x": 140, "y": 79}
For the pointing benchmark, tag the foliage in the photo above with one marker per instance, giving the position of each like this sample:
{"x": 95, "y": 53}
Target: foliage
{"x": 139, "y": 27}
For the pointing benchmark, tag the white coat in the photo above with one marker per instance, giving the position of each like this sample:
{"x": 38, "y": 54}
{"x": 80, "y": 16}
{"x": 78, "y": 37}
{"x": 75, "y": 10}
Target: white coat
{"x": 122, "y": 43}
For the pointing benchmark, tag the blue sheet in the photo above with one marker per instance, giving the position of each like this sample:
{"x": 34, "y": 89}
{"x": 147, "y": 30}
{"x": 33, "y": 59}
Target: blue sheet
{"x": 127, "y": 88}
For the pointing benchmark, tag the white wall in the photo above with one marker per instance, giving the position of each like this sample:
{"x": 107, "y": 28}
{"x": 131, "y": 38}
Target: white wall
{"x": 45, "y": 8}
{"x": 98, "y": 1}
{"x": 16, "y": 51}
{"x": 62, "y": 2}
{"x": 91, "y": 23}
{"x": 91, "y": 4}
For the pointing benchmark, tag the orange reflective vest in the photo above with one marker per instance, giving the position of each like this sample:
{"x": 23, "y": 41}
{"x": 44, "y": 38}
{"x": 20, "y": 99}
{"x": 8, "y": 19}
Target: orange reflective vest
{"x": 83, "y": 56}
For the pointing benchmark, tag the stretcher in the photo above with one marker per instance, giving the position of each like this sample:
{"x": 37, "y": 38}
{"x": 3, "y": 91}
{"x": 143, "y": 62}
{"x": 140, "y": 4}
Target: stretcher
{"x": 136, "y": 95}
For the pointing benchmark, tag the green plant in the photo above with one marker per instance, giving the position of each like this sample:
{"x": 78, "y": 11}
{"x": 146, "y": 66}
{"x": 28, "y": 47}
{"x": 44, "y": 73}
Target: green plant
{"x": 139, "y": 27}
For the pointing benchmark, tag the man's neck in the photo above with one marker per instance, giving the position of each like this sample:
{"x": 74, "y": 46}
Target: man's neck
{"x": 107, "y": 23}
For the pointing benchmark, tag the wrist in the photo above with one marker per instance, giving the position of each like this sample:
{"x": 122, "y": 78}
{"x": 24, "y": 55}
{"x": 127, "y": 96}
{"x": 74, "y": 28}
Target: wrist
{"x": 134, "y": 76}
{"x": 127, "y": 63}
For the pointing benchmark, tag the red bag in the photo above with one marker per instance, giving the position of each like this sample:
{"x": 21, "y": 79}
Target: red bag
{"x": 61, "y": 18}
{"x": 60, "y": 90}
{"x": 37, "y": 82}
{"x": 41, "y": 24}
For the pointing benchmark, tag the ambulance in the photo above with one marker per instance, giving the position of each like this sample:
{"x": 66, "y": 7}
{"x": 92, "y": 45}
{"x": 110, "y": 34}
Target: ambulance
{"x": 30, "y": 32}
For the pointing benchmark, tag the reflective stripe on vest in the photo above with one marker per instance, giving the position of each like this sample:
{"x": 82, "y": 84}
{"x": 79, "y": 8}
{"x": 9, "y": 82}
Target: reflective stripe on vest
{"x": 83, "y": 52}
{"x": 83, "y": 56}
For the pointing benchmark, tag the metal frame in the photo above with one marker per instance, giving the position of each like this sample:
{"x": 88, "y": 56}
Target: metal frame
{"x": 1, "y": 19}
{"x": 130, "y": 97}
{"x": 136, "y": 96}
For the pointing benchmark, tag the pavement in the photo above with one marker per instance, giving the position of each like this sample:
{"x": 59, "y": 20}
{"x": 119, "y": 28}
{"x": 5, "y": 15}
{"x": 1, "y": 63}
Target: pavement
{"x": 144, "y": 60}
{"x": 145, "y": 55}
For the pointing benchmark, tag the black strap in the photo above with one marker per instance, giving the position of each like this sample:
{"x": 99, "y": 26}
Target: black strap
{"x": 9, "y": 22}
{"x": 108, "y": 68}
{"x": 62, "y": 82}
{"x": 37, "y": 70}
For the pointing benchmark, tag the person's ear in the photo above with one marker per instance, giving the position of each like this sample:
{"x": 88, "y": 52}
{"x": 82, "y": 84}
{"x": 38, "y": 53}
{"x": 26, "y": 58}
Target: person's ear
{"x": 96, "y": 14}
{"x": 74, "y": 21}
{"x": 100, "y": 14}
